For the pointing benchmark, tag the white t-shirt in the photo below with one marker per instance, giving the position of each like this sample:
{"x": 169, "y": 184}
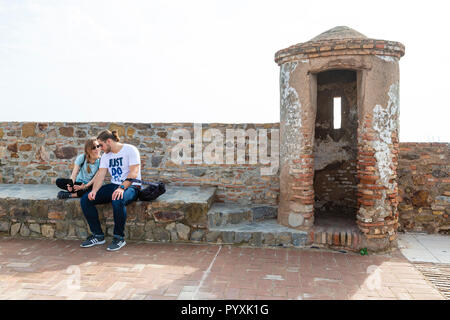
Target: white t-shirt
{"x": 119, "y": 163}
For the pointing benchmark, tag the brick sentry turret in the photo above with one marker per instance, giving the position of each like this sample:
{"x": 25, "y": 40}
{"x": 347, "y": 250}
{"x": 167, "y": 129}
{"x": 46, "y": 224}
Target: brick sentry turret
{"x": 375, "y": 64}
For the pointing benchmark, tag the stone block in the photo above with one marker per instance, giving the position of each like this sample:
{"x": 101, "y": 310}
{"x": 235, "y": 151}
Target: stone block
{"x": 284, "y": 238}
{"x": 421, "y": 198}
{"x": 268, "y": 239}
{"x": 197, "y": 235}
{"x": 264, "y": 212}
{"x": 183, "y": 231}
{"x": 4, "y": 226}
{"x": 130, "y": 132}
{"x": 160, "y": 234}
{"x": 242, "y": 237}
{"x": 156, "y": 161}
{"x": 47, "y": 231}
{"x": 15, "y": 227}
{"x": 80, "y": 223}
{"x": 25, "y": 147}
{"x": 409, "y": 156}
{"x": 120, "y": 129}
{"x": 28, "y": 130}
{"x": 196, "y": 214}
{"x": 66, "y": 131}
{"x": 213, "y": 236}
{"x": 81, "y": 232}
{"x": 299, "y": 239}
{"x": 424, "y": 218}
{"x": 168, "y": 216}
{"x": 60, "y": 234}
{"x": 149, "y": 225}
{"x": 12, "y": 147}
{"x": 443, "y": 200}
{"x": 256, "y": 239}
{"x": 56, "y": 215}
{"x": 439, "y": 174}
{"x": 110, "y": 230}
{"x": 24, "y": 230}
{"x": 197, "y": 172}
{"x": 171, "y": 227}
{"x": 80, "y": 134}
{"x": 42, "y": 154}
{"x": 71, "y": 233}
{"x": 136, "y": 232}
{"x": 149, "y": 235}
{"x": 228, "y": 236}
{"x": 65, "y": 152}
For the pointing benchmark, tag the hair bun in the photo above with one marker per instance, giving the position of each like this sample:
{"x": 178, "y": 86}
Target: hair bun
{"x": 106, "y": 134}
{"x": 116, "y": 135}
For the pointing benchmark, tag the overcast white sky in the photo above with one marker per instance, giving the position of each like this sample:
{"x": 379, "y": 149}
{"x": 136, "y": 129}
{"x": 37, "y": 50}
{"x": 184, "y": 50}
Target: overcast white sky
{"x": 201, "y": 61}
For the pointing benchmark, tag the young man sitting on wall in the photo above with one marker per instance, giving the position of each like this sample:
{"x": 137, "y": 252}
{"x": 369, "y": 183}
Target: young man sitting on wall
{"x": 123, "y": 162}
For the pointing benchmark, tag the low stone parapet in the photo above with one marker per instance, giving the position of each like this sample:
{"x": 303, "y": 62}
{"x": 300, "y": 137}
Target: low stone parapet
{"x": 182, "y": 214}
{"x": 34, "y": 211}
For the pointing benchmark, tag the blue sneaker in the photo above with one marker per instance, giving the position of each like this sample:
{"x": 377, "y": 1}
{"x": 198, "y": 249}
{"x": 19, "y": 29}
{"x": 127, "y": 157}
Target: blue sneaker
{"x": 93, "y": 240}
{"x": 116, "y": 244}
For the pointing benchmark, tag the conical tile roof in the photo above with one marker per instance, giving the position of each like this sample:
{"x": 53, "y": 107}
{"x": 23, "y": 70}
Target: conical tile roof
{"x": 338, "y": 33}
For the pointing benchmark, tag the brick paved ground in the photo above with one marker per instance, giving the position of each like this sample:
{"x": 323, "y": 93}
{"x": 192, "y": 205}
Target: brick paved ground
{"x": 60, "y": 269}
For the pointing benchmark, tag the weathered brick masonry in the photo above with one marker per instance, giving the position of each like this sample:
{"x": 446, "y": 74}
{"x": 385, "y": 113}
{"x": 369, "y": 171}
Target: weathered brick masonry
{"x": 424, "y": 187}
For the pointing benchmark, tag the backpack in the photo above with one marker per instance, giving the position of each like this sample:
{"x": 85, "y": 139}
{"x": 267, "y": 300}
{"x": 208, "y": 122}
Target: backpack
{"x": 153, "y": 191}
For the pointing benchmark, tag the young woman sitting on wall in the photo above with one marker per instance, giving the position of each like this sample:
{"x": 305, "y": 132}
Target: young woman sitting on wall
{"x": 83, "y": 174}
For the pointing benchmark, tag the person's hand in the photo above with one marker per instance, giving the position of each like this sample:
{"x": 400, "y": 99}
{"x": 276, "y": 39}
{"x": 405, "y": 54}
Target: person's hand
{"x": 79, "y": 187}
{"x": 117, "y": 194}
{"x": 69, "y": 188}
{"x": 91, "y": 195}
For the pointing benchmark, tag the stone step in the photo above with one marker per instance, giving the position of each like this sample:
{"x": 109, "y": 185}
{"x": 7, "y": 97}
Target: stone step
{"x": 258, "y": 233}
{"x": 222, "y": 214}
{"x": 189, "y": 203}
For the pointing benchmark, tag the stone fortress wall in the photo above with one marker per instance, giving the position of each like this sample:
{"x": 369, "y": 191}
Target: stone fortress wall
{"x": 38, "y": 153}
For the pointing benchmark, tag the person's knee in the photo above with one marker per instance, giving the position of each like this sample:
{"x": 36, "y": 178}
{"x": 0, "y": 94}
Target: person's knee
{"x": 118, "y": 204}
{"x": 60, "y": 182}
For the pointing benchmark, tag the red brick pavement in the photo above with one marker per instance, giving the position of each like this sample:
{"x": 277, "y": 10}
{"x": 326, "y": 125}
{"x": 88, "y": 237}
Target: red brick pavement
{"x": 60, "y": 269}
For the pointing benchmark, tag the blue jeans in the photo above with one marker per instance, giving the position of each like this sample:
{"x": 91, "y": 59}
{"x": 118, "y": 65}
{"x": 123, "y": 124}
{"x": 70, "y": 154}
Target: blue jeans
{"x": 104, "y": 195}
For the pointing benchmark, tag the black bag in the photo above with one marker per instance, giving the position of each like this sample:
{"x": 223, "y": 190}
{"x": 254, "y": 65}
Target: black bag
{"x": 153, "y": 191}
